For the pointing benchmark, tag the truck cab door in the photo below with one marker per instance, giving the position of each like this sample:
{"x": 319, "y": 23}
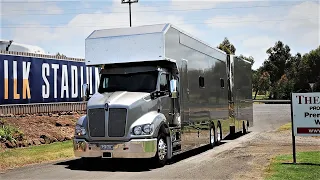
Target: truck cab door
{"x": 165, "y": 100}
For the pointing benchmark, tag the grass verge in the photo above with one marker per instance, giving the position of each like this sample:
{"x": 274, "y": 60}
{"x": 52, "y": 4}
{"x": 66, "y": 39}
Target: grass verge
{"x": 307, "y": 167}
{"x": 13, "y": 158}
{"x": 284, "y": 127}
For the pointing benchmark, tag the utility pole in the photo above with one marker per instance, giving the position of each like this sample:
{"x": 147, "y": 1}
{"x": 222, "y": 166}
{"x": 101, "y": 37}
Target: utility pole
{"x": 129, "y": 2}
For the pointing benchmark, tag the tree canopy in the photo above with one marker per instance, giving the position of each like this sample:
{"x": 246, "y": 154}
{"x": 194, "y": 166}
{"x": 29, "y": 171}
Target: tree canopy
{"x": 282, "y": 73}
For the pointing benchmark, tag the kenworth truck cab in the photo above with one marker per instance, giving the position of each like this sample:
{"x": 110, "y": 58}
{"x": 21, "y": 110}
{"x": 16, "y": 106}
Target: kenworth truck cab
{"x": 161, "y": 92}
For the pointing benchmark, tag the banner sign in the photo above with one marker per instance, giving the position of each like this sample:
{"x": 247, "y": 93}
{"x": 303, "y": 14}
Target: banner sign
{"x": 306, "y": 114}
{"x": 39, "y": 80}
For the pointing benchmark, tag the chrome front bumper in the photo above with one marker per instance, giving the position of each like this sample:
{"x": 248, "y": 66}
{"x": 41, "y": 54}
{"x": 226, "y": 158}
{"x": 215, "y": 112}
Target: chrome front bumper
{"x": 136, "y": 148}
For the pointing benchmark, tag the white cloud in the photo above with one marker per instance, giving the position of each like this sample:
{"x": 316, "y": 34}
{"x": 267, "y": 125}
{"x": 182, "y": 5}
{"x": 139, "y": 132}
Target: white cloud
{"x": 231, "y": 21}
{"x": 303, "y": 24}
{"x": 23, "y": 8}
{"x": 74, "y": 33}
{"x": 256, "y": 47}
{"x": 299, "y": 29}
{"x": 184, "y": 4}
{"x": 304, "y": 16}
{"x": 201, "y": 4}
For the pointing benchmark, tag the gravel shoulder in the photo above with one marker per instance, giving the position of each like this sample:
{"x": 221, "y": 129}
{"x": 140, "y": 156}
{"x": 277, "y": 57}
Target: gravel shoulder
{"x": 256, "y": 155}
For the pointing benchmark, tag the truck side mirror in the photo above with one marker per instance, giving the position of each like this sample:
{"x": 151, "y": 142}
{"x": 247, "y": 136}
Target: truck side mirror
{"x": 85, "y": 92}
{"x": 173, "y": 88}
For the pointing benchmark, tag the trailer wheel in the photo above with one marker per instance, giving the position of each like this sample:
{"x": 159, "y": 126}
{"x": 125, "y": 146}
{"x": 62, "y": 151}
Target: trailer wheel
{"x": 213, "y": 137}
{"x": 161, "y": 156}
{"x": 219, "y": 133}
{"x": 244, "y": 128}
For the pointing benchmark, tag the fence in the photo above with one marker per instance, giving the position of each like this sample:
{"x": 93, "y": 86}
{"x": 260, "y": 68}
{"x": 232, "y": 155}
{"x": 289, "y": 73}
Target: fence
{"x": 275, "y": 101}
{"x": 36, "y": 108}
{"x": 18, "y": 109}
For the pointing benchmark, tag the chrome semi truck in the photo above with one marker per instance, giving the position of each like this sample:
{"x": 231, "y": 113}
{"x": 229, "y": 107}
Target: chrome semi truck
{"x": 161, "y": 92}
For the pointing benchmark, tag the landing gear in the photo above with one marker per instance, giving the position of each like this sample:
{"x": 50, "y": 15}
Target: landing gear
{"x": 244, "y": 128}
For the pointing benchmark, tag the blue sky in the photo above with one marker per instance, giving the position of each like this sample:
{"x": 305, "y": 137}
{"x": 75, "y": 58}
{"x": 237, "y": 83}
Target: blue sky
{"x": 252, "y": 26}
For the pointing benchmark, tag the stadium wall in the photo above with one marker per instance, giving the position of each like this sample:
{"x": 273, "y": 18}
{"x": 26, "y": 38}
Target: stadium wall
{"x": 27, "y": 78}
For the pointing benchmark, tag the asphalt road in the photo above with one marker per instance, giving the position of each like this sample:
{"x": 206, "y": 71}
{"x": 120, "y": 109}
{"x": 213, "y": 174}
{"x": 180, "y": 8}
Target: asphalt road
{"x": 204, "y": 163}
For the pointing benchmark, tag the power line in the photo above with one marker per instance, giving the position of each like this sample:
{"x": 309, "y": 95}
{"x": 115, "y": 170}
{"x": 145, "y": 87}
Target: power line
{"x": 115, "y": 26}
{"x": 169, "y": 10}
{"x": 144, "y": 5}
{"x": 193, "y": 19}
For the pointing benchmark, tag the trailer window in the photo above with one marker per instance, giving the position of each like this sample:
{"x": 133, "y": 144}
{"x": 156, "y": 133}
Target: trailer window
{"x": 222, "y": 83}
{"x": 201, "y": 82}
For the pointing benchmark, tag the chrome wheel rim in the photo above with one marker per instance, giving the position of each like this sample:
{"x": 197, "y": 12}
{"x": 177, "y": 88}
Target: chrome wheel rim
{"x": 162, "y": 149}
{"x": 218, "y": 134}
{"x": 212, "y": 136}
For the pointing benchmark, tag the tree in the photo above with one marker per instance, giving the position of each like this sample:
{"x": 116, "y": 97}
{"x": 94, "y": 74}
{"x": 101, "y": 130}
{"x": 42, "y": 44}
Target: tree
{"x": 250, "y": 58}
{"x": 275, "y": 65}
{"x": 260, "y": 81}
{"x": 308, "y": 71}
{"x": 227, "y": 47}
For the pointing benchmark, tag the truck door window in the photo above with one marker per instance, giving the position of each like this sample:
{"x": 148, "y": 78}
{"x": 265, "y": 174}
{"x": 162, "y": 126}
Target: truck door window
{"x": 164, "y": 82}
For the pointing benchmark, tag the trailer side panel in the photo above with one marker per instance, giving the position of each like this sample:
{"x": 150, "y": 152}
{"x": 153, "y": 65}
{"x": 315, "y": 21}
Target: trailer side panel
{"x": 200, "y": 104}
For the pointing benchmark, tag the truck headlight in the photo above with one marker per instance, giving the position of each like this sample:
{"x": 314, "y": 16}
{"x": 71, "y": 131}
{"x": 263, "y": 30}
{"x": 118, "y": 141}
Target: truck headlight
{"x": 137, "y": 130}
{"x": 147, "y": 128}
{"x": 143, "y": 129}
{"x": 80, "y": 130}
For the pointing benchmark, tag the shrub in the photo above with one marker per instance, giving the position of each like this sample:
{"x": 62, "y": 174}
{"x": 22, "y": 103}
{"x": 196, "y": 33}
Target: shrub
{"x": 10, "y": 133}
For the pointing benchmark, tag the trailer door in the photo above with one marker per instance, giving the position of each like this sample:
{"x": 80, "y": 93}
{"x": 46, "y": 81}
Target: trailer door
{"x": 184, "y": 89}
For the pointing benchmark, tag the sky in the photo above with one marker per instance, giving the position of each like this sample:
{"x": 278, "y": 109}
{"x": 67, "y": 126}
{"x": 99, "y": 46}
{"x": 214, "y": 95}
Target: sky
{"x": 251, "y": 26}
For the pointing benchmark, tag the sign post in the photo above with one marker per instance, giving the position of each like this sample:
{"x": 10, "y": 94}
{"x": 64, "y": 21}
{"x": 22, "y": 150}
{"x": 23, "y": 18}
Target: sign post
{"x": 292, "y": 133}
{"x": 305, "y": 116}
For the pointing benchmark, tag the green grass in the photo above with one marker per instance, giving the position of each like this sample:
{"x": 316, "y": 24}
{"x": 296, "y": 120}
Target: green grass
{"x": 35, "y": 154}
{"x": 284, "y": 127}
{"x": 307, "y": 167}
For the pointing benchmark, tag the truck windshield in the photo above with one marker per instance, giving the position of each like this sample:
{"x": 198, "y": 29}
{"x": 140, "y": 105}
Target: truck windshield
{"x": 135, "y": 82}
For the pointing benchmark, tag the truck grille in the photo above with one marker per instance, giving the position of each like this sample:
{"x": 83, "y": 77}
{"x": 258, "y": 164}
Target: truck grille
{"x": 96, "y": 119}
{"x": 117, "y": 122}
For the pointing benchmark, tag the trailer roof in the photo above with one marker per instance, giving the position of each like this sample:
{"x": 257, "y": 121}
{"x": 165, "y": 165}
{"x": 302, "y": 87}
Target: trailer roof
{"x": 119, "y": 45}
{"x": 146, "y": 29}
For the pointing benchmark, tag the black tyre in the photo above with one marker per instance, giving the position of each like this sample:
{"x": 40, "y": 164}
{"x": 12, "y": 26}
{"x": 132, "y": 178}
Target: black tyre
{"x": 161, "y": 156}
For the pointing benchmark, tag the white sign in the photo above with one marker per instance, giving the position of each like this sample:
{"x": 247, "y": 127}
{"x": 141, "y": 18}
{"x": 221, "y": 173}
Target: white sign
{"x": 306, "y": 114}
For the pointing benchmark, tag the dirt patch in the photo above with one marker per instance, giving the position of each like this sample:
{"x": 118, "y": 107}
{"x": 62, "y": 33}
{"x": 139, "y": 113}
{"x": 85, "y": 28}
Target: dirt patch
{"x": 265, "y": 147}
{"x": 41, "y": 129}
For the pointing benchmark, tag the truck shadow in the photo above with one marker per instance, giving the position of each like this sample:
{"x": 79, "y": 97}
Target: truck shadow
{"x": 128, "y": 165}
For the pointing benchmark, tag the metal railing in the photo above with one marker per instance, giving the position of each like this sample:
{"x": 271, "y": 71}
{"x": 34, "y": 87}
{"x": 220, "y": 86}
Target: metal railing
{"x": 38, "y": 108}
{"x": 272, "y": 101}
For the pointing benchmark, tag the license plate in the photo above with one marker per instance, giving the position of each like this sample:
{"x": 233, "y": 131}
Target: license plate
{"x": 106, "y": 147}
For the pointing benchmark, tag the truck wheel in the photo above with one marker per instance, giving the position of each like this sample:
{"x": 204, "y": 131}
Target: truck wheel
{"x": 219, "y": 133}
{"x": 213, "y": 139}
{"x": 162, "y": 150}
